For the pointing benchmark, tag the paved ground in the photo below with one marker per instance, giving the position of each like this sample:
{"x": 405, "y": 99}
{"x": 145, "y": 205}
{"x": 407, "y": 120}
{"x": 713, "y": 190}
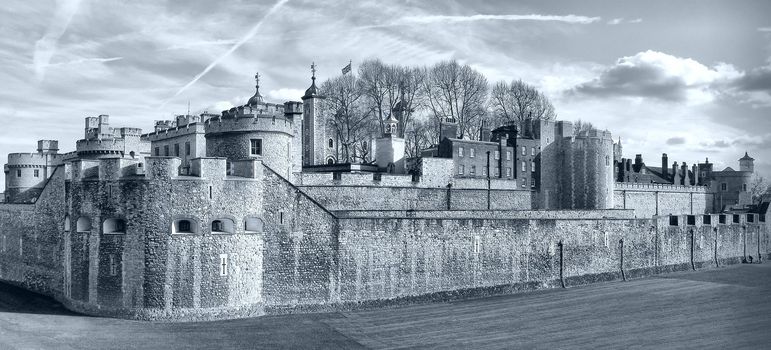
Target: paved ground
{"x": 720, "y": 308}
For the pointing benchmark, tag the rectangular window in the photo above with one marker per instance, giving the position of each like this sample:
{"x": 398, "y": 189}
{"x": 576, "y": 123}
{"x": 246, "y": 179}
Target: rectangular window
{"x": 157, "y": 151}
{"x": 524, "y": 150}
{"x": 473, "y": 170}
{"x": 166, "y": 150}
{"x": 461, "y": 169}
{"x": 187, "y": 148}
{"x": 281, "y": 218}
{"x": 524, "y": 181}
{"x": 532, "y": 151}
{"x": 471, "y": 153}
{"x": 255, "y": 147}
{"x": 707, "y": 220}
{"x": 176, "y": 150}
{"x": 744, "y": 186}
{"x": 484, "y": 171}
{"x": 532, "y": 166}
{"x": 497, "y": 155}
{"x": 497, "y": 172}
{"x": 532, "y": 182}
{"x": 508, "y": 155}
{"x": 223, "y": 264}
{"x": 524, "y": 166}
{"x": 508, "y": 172}
{"x": 460, "y": 151}
{"x": 113, "y": 266}
{"x": 37, "y": 174}
{"x": 18, "y": 172}
{"x": 723, "y": 186}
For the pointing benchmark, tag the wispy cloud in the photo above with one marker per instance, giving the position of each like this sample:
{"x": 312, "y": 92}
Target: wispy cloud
{"x": 202, "y": 43}
{"x": 45, "y": 48}
{"x": 86, "y": 60}
{"x": 431, "y": 19}
{"x": 617, "y": 21}
{"x": 233, "y": 48}
{"x": 765, "y": 29}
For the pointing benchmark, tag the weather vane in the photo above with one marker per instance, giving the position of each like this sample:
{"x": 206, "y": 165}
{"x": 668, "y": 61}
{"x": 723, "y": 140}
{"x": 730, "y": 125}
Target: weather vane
{"x": 313, "y": 70}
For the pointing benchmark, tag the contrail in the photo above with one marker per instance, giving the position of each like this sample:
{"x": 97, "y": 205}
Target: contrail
{"x": 227, "y": 53}
{"x": 411, "y": 20}
{"x": 46, "y": 46}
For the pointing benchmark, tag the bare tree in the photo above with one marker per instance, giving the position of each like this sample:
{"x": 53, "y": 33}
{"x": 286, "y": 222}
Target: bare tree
{"x": 581, "y": 126}
{"x": 417, "y": 137}
{"x": 456, "y": 91}
{"x": 758, "y": 188}
{"x": 391, "y": 87}
{"x": 347, "y": 116}
{"x": 519, "y": 101}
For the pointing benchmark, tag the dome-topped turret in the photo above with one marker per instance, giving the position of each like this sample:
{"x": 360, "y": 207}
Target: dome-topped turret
{"x": 313, "y": 90}
{"x": 746, "y": 157}
{"x": 257, "y": 98}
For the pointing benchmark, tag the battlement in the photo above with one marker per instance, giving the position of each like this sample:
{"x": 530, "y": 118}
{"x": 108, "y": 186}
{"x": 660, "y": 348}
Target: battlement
{"x": 250, "y": 122}
{"x": 653, "y": 187}
{"x": 16, "y": 160}
{"x": 399, "y": 180}
{"x": 109, "y": 146}
{"x": 594, "y": 133}
{"x": 174, "y": 131}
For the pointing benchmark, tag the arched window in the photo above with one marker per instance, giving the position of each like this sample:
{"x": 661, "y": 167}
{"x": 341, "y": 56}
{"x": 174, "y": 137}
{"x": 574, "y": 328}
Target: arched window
{"x": 114, "y": 226}
{"x": 184, "y": 226}
{"x": 330, "y": 161}
{"x": 252, "y": 224}
{"x": 331, "y": 143}
{"x": 84, "y": 224}
{"x": 67, "y": 223}
{"x": 223, "y": 226}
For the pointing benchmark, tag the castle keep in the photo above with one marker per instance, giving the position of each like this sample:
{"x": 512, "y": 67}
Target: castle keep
{"x": 248, "y": 212}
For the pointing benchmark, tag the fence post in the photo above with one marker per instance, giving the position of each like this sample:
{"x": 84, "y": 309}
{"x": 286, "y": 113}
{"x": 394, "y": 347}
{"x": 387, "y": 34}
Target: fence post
{"x": 562, "y": 278}
{"x": 717, "y": 263}
{"x": 693, "y": 265}
{"x": 621, "y": 245}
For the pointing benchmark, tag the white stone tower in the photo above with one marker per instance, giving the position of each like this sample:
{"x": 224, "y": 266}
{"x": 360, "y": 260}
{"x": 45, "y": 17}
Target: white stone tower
{"x": 747, "y": 163}
{"x": 314, "y": 128}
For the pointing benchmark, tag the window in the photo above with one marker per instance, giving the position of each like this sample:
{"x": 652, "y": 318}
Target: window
{"x": 508, "y": 155}
{"x": 113, "y": 266}
{"x": 673, "y": 221}
{"x": 497, "y": 155}
{"x": 331, "y": 143}
{"x": 524, "y": 181}
{"x": 187, "y": 148}
{"x": 18, "y": 172}
{"x": 223, "y": 264}
{"x": 114, "y": 226}
{"x": 255, "y": 147}
{"x": 223, "y": 226}
{"x": 473, "y": 170}
{"x": 84, "y": 224}
{"x": 524, "y": 150}
{"x": 691, "y": 220}
{"x": 508, "y": 171}
{"x": 166, "y": 150}
{"x": 281, "y": 218}
{"x": 36, "y": 173}
{"x": 524, "y": 166}
{"x": 723, "y": 186}
{"x": 67, "y": 223}
{"x": 176, "y": 150}
{"x": 532, "y": 166}
{"x": 736, "y": 218}
{"x": 707, "y": 220}
{"x": 497, "y": 172}
{"x": 460, "y": 151}
{"x": 484, "y": 171}
{"x": 461, "y": 169}
{"x": 744, "y": 186}
{"x": 184, "y": 226}
{"x": 721, "y": 219}
{"x": 607, "y": 160}
{"x": 471, "y": 152}
{"x": 532, "y": 151}
{"x": 253, "y": 225}
{"x": 157, "y": 151}
{"x": 330, "y": 161}
{"x": 532, "y": 182}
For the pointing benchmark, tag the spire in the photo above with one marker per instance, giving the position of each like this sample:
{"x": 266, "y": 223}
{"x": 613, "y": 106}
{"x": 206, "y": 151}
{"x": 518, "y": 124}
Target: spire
{"x": 257, "y": 98}
{"x": 312, "y": 90}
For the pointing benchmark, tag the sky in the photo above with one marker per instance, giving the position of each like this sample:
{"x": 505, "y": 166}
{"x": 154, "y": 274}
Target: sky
{"x": 689, "y": 78}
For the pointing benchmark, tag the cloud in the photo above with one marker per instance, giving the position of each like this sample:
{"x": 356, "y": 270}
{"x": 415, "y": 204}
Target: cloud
{"x": 660, "y": 76}
{"x": 233, "y": 48}
{"x": 286, "y": 94}
{"x": 758, "y": 79}
{"x": 190, "y": 45}
{"x": 765, "y": 29}
{"x": 45, "y": 48}
{"x": 617, "y": 21}
{"x": 86, "y": 60}
{"x": 676, "y": 141}
{"x": 432, "y": 19}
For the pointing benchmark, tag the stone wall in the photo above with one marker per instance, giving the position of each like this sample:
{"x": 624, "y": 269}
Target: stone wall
{"x": 648, "y": 200}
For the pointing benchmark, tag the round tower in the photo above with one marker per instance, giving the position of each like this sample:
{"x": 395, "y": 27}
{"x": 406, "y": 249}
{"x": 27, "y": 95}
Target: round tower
{"x": 26, "y": 173}
{"x": 255, "y": 130}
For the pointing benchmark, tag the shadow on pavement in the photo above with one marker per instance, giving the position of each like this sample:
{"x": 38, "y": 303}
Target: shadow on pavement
{"x": 19, "y": 300}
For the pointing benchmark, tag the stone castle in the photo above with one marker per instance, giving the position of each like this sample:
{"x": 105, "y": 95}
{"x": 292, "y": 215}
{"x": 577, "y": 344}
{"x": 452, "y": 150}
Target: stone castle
{"x": 249, "y": 212}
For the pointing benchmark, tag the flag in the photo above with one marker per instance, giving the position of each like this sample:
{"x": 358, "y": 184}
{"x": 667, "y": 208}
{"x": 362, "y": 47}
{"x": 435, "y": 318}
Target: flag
{"x": 347, "y": 69}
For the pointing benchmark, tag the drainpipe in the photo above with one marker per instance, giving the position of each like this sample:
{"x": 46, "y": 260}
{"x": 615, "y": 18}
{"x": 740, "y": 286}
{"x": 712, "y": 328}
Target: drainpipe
{"x": 621, "y": 246}
{"x": 562, "y": 278}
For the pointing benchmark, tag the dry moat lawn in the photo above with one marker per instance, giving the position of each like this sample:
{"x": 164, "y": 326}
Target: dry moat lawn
{"x": 718, "y": 308}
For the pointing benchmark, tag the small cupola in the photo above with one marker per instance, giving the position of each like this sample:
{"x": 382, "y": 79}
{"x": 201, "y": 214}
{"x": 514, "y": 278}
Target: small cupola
{"x": 312, "y": 90}
{"x": 257, "y": 98}
{"x": 391, "y": 126}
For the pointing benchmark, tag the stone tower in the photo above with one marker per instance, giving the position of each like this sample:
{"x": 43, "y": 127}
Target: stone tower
{"x": 390, "y": 148}
{"x": 747, "y": 163}
{"x": 314, "y": 128}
